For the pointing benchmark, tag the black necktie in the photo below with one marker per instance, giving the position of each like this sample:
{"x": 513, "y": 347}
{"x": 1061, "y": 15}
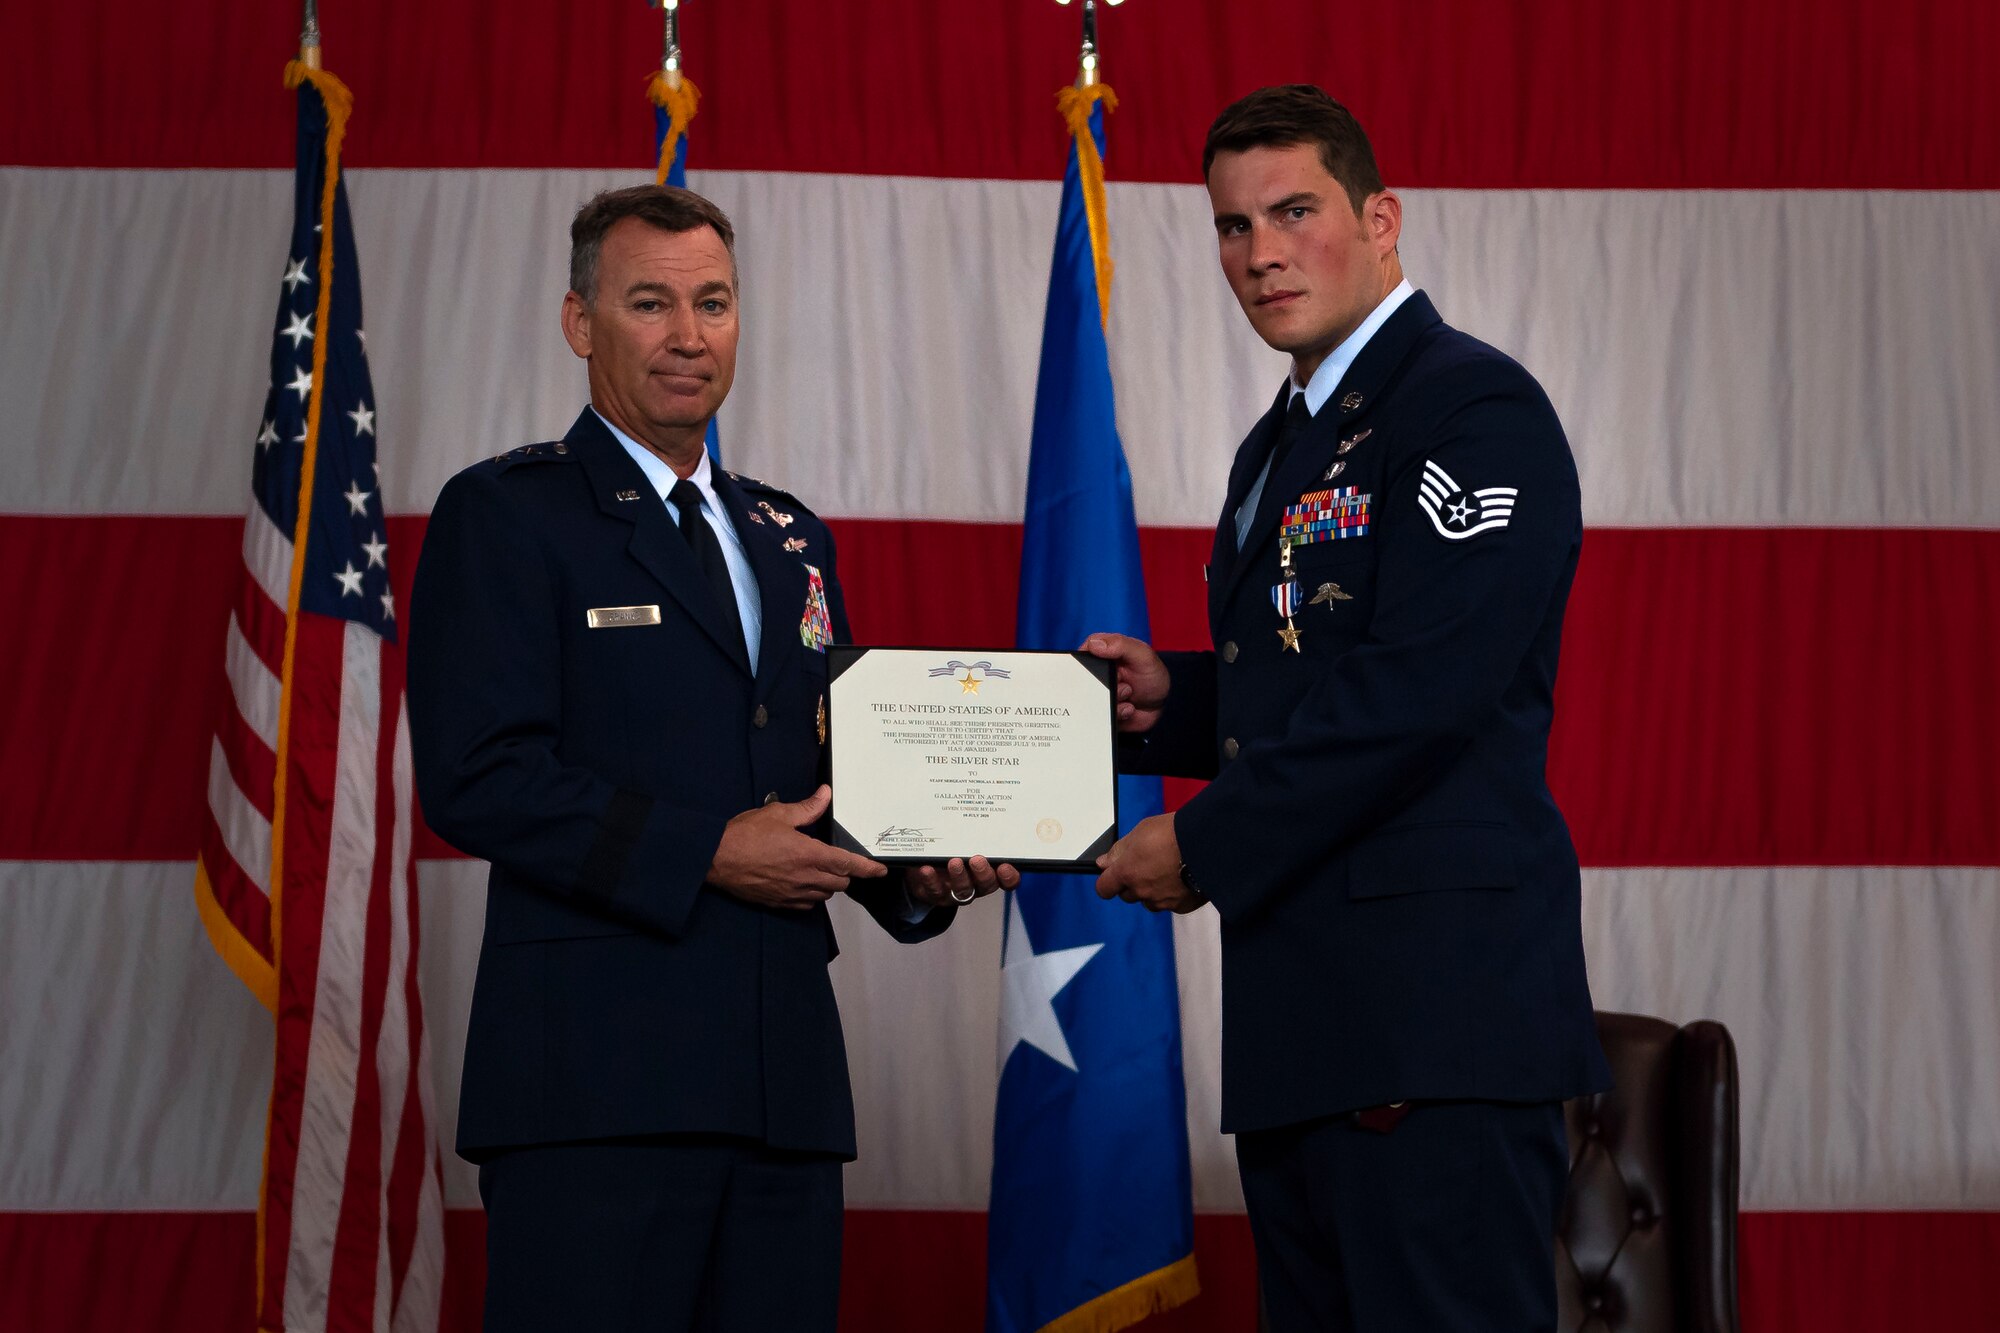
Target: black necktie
{"x": 707, "y": 552}
{"x": 1297, "y": 417}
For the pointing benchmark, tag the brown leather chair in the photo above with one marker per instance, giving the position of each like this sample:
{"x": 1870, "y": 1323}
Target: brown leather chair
{"x": 1646, "y": 1242}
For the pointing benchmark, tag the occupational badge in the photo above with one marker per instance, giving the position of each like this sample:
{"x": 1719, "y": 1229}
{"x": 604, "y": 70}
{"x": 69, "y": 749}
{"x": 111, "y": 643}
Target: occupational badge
{"x": 1457, "y": 513}
{"x": 795, "y": 543}
{"x": 815, "y": 626}
{"x": 1348, "y": 444}
{"x": 1329, "y": 593}
{"x": 778, "y": 516}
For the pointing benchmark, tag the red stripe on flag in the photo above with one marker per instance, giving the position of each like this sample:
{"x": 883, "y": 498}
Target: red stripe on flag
{"x": 1842, "y": 1272}
{"x": 1728, "y": 696}
{"x": 251, "y": 763}
{"x": 1570, "y": 93}
{"x": 240, "y": 899}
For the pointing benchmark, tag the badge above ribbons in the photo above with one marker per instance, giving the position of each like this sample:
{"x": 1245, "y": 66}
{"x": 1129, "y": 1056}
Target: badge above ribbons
{"x": 816, "y": 625}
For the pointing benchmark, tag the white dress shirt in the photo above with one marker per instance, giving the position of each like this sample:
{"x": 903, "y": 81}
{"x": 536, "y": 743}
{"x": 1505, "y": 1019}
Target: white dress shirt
{"x": 1324, "y": 381}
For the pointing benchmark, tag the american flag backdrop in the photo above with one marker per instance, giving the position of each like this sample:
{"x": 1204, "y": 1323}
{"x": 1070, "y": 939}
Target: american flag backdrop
{"x": 306, "y": 878}
{"x": 1748, "y": 246}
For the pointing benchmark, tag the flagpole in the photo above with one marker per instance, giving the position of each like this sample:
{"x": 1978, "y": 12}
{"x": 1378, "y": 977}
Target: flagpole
{"x": 670, "y": 50}
{"x": 309, "y": 53}
{"x": 1086, "y": 60}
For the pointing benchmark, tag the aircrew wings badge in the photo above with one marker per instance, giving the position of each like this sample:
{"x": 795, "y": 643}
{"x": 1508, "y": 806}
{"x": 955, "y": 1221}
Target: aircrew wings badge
{"x": 816, "y": 626}
{"x": 1457, "y": 513}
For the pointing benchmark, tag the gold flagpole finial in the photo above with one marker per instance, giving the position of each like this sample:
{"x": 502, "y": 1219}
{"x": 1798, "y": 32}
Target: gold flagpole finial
{"x": 670, "y": 51}
{"x": 1086, "y": 60}
{"x": 309, "y": 37}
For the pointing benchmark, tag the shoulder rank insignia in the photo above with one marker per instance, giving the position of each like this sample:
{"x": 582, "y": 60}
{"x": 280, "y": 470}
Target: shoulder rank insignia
{"x": 1457, "y": 513}
{"x": 1325, "y": 516}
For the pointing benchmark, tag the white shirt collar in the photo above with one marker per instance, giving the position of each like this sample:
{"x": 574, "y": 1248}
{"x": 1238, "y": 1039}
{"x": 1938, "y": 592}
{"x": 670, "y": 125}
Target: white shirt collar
{"x": 1332, "y": 370}
{"x": 662, "y": 476}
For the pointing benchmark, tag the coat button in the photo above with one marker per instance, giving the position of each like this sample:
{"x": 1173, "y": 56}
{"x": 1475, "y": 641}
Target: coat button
{"x": 1229, "y": 748}
{"x": 770, "y": 798}
{"x": 760, "y": 717}
{"x": 1229, "y": 651}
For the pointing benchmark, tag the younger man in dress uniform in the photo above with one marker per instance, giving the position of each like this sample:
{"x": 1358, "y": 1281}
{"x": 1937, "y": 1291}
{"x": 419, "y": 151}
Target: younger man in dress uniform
{"x": 1404, "y": 998}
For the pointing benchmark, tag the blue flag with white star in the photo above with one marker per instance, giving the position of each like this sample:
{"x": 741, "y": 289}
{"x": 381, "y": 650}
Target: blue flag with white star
{"x": 1091, "y": 1221}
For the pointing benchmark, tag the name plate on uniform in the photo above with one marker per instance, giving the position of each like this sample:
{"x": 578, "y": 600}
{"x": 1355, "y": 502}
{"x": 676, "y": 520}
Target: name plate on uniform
{"x": 937, "y": 753}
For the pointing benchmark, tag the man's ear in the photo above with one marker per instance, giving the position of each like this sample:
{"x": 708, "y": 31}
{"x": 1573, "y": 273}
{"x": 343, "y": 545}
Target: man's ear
{"x": 1382, "y": 219}
{"x": 576, "y": 324}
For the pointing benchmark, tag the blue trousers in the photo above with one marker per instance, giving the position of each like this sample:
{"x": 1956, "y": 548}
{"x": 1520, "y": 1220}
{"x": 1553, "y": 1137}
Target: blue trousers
{"x": 1444, "y": 1224}
{"x": 695, "y": 1233}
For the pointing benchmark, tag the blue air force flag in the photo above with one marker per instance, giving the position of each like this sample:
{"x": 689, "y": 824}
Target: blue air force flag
{"x": 1091, "y": 1222}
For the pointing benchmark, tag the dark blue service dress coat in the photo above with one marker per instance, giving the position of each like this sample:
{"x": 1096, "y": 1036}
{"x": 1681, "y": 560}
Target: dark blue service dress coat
{"x": 1398, "y": 891}
{"x": 584, "y": 717}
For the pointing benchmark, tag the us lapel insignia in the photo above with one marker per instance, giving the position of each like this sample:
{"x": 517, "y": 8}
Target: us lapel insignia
{"x": 628, "y": 495}
{"x": 756, "y": 518}
{"x": 1329, "y": 593}
{"x": 816, "y": 625}
{"x": 795, "y": 543}
{"x": 1350, "y": 402}
{"x": 1353, "y": 440}
{"x": 778, "y": 516}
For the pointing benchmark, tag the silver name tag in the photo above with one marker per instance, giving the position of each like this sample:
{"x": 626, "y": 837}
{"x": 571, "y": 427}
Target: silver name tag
{"x": 614, "y": 617}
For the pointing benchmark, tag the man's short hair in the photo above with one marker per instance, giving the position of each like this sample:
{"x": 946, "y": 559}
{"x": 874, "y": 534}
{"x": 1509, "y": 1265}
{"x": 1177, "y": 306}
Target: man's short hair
{"x": 1297, "y": 113}
{"x": 667, "y": 207}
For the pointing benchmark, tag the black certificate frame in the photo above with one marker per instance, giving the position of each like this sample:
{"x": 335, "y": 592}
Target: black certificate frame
{"x": 842, "y": 656}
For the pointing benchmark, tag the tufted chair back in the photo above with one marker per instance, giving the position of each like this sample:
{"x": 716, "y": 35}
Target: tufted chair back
{"x": 1646, "y": 1241}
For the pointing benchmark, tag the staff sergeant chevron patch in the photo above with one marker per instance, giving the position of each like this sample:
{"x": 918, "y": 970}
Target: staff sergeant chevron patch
{"x": 1457, "y": 513}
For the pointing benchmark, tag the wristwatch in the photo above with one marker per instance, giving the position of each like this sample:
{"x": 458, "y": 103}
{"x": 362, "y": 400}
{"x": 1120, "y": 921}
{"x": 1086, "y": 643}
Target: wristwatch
{"x": 1187, "y": 879}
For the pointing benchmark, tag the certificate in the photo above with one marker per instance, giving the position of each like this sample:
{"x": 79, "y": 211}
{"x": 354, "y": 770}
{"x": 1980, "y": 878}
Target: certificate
{"x": 941, "y": 753}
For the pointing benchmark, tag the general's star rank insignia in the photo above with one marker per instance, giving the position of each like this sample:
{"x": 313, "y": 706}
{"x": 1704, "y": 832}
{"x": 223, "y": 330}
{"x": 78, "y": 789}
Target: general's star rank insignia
{"x": 1457, "y": 513}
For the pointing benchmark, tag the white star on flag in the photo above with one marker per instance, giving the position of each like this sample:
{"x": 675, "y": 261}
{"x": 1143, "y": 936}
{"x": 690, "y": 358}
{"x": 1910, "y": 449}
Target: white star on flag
{"x": 378, "y": 552}
{"x": 295, "y": 273}
{"x": 1029, "y": 984}
{"x": 357, "y": 499}
{"x": 298, "y": 330}
{"x": 268, "y": 435}
{"x": 302, "y": 383}
{"x": 349, "y": 580}
{"x": 364, "y": 420}
{"x": 388, "y": 606}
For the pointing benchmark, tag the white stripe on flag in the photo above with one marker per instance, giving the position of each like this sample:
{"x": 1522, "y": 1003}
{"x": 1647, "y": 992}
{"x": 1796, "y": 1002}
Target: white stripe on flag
{"x": 333, "y": 1051}
{"x": 246, "y": 834}
{"x": 392, "y": 1044}
{"x": 267, "y": 554}
{"x": 258, "y": 692}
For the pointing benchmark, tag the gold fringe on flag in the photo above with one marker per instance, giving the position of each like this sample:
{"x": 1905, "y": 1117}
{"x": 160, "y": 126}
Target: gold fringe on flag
{"x": 1141, "y": 1298}
{"x": 1075, "y": 104}
{"x": 679, "y": 103}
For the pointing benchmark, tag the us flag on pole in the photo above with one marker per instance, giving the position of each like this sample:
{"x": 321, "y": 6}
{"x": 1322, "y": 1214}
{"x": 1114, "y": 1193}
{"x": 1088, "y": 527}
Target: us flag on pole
{"x": 306, "y": 880}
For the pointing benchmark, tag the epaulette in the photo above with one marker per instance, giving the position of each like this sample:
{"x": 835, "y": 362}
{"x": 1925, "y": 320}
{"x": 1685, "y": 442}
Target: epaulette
{"x": 549, "y": 451}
